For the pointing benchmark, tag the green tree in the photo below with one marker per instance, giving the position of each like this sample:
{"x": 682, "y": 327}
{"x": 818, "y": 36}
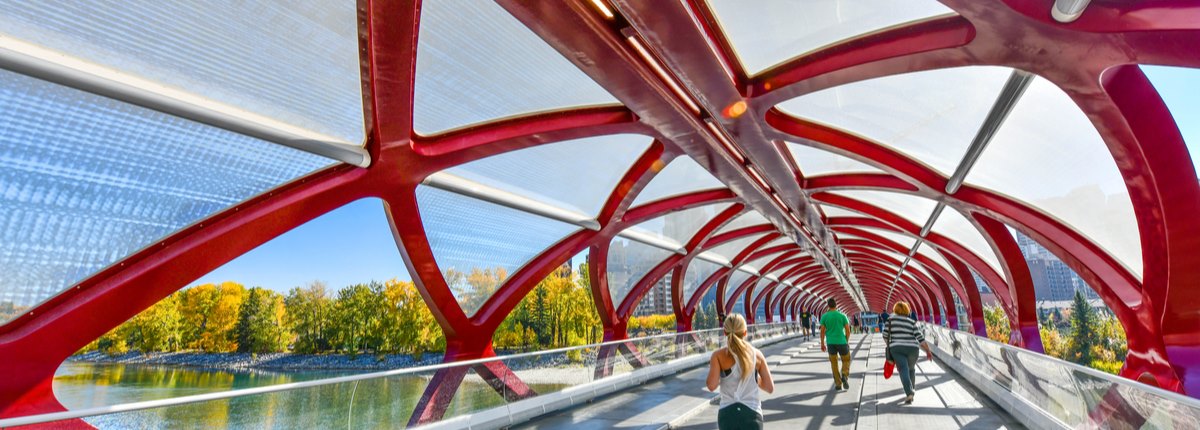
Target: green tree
{"x": 356, "y": 320}
{"x": 1084, "y": 326}
{"x": 157, "y": 329}
{"x": 260, "y": 326}
{"x": 308, "y": 314}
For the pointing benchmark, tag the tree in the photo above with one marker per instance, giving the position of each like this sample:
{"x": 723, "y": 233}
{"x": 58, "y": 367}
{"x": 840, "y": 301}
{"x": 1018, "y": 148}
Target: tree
{"x": 260, "y": 326}
{"x": 557, "y": 312}
{"x": 407, "y": 324}
{"x": 1083, "y": 330}
{"x": 308, "y": 314}
{"x": 996, "y": 320}
{"x": 209, "y": 314}
{"x": 157, "y": 329}
{"x": 355, "y": 318}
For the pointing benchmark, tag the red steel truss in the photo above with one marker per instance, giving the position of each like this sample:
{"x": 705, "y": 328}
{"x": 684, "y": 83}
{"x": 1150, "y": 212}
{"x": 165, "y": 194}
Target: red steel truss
{"x": 1094, "y": 60}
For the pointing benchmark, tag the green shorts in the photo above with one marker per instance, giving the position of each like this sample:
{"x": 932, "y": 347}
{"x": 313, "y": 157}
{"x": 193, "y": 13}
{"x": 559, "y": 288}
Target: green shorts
{"x": 738, "y": 416}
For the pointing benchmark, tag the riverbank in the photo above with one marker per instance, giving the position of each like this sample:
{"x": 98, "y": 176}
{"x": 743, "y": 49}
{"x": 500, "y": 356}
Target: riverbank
{"x": 290, "y": 362}
{"x": 273, "y": 361}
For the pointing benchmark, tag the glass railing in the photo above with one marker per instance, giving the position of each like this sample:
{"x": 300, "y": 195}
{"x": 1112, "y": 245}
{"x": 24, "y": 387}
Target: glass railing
{"x": 387, "y": 399}
{"x": 1077, "y": 396}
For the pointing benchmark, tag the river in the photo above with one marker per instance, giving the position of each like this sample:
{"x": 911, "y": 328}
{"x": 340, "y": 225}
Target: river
{"x": 378, "y": 403}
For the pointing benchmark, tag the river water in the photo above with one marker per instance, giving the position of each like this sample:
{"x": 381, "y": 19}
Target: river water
{"x": 378, "y": 403}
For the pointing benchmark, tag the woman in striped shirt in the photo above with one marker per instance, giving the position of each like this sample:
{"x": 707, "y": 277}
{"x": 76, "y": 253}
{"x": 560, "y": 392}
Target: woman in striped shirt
{"x": 903, "y": 338}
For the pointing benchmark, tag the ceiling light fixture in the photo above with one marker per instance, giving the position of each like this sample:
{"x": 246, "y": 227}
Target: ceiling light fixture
{"x": 662, "y": 74}
{"x": 604, "y": 9}
{"x": 1065, "y": 11}
{"x": 724, "y": 139}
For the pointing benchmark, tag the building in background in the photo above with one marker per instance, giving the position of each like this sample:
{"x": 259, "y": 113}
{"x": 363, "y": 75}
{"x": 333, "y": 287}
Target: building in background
{"x": 1053, "y": 280}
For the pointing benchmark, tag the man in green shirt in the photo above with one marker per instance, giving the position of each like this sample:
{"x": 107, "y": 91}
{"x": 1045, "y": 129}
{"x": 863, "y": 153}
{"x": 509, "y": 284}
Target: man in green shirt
{"x": 835, "y": 331}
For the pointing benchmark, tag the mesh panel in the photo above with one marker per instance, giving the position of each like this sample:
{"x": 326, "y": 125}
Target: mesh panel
{"x": 86, "y": 181}
{"x": 774, "y": 31}
{"x": 477, "y": 245}
{"x": 296, "y": 62}
{"x": 576, "y": 174}
{"x": 1049, "y": 155}
{"x": 682, "y": 176}
{"x": 476, "y": 62}
{"x": 697, "y": 271}
{"x": 931, "y": 116}
{"x": 815, "y": 162}
{"x": 628, "y": 262}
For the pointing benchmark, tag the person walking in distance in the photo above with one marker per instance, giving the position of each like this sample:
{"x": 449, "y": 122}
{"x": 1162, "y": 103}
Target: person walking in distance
{"x": 806, "y": 322}
{"x": 835, "y": 339}
{"x": 740, "y": 371}
{"x": 903, "y": 338}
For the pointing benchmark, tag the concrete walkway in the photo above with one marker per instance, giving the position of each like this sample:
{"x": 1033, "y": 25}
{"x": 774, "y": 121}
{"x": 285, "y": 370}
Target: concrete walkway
{"x": 804, "y": 397}
{"x": 653, "y": 405}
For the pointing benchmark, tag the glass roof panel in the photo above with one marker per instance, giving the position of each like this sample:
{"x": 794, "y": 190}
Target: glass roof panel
{"x": 697, "y": 271}
{"x": 731, "y": 249}
{"x": 679, "y": 227}
{"x": 815, "y": 162}
{"x": 477, "y": 244}
{"x": 1177, "y": 86}
{"x": 912, "y": 208}
{"x": 747, "y": 219}
{"x": 86, "y": 181}
{"x": 764, "y": 259}
{"x": 832, "y": 211}
{"x": 739, "y": 307}
{"x": 735, "y": 280}
{"x": 955, "y": 226}
{"x": 1049, "y": 155}
{"x": 292, "y": 62}
{"x": 682, "y": 176}
{"x": 575, "y": 174}
{"x": 903, "y": 239}
{"x": 893, "y": 254}
{"x": 779, "y": 241}
{"x": 628, "y": 262}
{"x": 476, "y": 62}
{"x": 929, "y": 251}
{"x": 931, "y": 116}
{"x": 768, "y": 32}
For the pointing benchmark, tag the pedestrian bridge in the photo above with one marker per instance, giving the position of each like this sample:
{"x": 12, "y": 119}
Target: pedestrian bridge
{"x": 658, "y": 382}
{"x": 757, "y": 157}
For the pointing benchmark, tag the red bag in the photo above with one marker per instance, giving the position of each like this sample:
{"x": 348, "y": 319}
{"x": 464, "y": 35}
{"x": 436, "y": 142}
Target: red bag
{"x": 888, "y": 368}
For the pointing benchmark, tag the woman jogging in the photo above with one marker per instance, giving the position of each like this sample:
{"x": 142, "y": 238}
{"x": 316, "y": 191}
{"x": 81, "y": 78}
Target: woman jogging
{"x": 903, "y": 338}
{"x": 740, "y": 370}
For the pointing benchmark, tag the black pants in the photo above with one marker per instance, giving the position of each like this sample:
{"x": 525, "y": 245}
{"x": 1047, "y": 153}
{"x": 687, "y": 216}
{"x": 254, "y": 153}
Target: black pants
{"x": 737, "y": 417}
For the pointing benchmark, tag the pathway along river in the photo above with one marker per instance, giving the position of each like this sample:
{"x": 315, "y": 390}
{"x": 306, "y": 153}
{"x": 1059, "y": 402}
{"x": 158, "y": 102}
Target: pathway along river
{"x": 379, "y": 403}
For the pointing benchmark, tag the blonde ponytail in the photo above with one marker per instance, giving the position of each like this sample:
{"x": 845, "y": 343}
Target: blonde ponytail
{"x": 735, "y": 329}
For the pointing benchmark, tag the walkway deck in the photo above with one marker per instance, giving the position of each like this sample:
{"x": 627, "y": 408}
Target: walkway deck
{"x": 804, "y": 398}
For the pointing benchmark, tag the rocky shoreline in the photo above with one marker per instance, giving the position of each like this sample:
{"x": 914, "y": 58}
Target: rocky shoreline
{"x": 273, "y": 361}
{"x": 293, "y": 362}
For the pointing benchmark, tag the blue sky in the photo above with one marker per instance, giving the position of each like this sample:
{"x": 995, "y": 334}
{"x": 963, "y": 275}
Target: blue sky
{"x": 353, "y": 244}
{"x": 1180, "y": 89}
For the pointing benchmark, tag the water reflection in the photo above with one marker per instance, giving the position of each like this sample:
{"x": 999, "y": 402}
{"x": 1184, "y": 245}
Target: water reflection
{"x": 377, "y": 403}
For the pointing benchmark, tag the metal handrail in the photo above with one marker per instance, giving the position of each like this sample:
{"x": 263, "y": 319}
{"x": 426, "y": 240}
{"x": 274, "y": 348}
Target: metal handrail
{"x": 1169, "y": 395}
{"x": 200, "y": 398}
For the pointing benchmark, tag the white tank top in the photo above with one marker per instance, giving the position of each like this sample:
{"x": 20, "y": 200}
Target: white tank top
{"x": 735, "y": 389}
